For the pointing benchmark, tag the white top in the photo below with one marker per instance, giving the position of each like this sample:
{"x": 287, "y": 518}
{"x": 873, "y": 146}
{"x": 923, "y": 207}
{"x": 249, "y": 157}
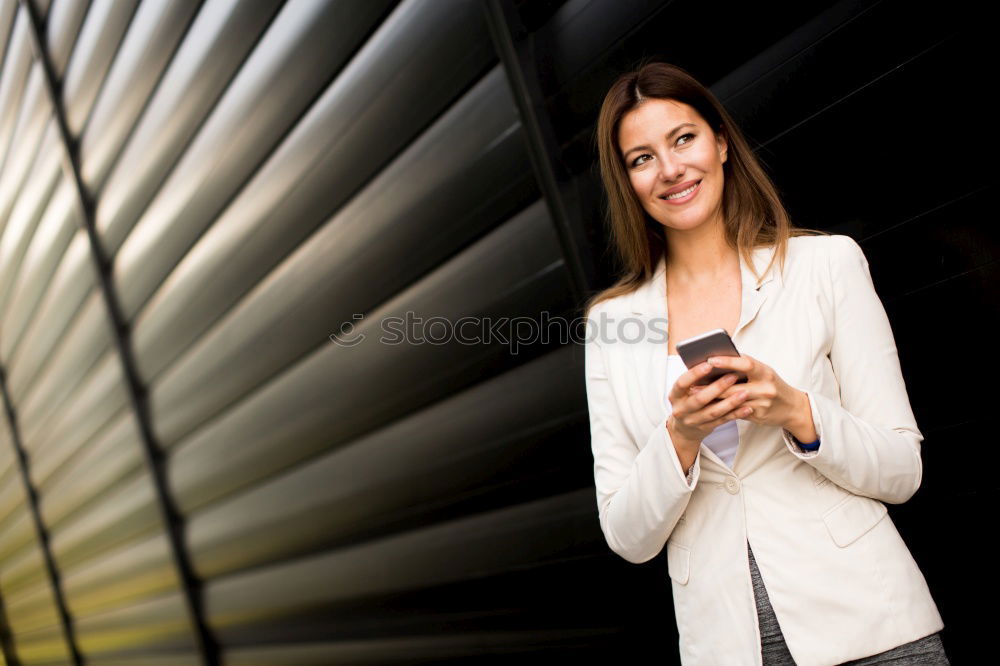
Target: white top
{"x": 725, "y": 439}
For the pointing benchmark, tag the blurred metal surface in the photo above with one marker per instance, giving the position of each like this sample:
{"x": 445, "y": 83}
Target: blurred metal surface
{"x": 61, "y": 30}
{"x": 420, "y": 59}
{"x": 260, "y": 435}
{"x": 437, "y": 186}
{"x": 100, "y": 36}
{"x": 267, "y": 96}
{"x": 152, "y": 37}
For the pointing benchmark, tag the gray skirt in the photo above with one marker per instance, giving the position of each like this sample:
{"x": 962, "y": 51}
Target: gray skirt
{"x": 926, "y": 651}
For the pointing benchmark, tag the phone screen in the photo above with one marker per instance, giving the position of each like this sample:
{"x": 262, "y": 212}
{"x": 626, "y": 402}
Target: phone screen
{"x": 700, "y": 348}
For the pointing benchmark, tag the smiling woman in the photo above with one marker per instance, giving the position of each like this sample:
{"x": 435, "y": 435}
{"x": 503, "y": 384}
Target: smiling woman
{"x": 690, "y": 154}
{"x": 782, "y": 479}
{"x": 659, "y": 133}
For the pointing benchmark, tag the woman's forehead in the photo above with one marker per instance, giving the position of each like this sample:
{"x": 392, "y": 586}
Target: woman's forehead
{"x": 655, "y": 115}
{"x": 661, "y": 109}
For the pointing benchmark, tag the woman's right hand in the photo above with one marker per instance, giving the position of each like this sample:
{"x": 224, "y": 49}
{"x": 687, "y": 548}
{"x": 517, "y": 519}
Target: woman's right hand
{"x": 697, "y": 413}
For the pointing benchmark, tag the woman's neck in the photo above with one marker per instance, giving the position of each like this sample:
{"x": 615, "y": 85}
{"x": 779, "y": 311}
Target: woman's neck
{"x": 699, "y": 257}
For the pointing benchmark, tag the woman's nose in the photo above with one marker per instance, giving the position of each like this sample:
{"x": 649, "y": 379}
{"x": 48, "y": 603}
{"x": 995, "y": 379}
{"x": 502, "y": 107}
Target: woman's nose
{"x": 670, "y": 170}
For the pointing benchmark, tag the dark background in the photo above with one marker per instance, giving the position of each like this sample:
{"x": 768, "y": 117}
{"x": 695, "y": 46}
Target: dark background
{"x": 195, "y": 196}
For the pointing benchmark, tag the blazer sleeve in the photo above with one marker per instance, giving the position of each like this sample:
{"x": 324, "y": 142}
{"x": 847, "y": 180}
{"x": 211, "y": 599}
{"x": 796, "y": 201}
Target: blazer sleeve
{"x": 870, "y": 444}
{"x": 641, "y": 494}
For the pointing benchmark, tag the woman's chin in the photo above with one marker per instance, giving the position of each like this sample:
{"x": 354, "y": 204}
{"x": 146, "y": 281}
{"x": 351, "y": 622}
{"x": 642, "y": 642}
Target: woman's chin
{"x": 684, "y": 224}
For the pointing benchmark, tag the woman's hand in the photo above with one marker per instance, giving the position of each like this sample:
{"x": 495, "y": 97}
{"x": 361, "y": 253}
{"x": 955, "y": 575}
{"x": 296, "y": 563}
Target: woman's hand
{"x": 695, "y": 414}
{"x": 772, "y": 401}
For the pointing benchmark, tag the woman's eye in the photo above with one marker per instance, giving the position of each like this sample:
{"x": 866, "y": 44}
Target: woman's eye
{"x": 639, "y": 160}
{"x": 684, "y": 136}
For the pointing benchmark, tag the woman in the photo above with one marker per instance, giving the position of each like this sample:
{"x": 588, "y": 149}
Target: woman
{"x": 769, "y": 495}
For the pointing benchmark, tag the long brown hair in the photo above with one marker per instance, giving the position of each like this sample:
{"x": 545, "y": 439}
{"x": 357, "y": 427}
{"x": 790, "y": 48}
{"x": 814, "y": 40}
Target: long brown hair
{"x": 753, "y": 212}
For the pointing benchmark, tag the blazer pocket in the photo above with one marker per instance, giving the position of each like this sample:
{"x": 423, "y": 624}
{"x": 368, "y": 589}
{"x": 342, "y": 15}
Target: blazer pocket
{"x": 852, "y": 518}
{"x": 678, "y": 562}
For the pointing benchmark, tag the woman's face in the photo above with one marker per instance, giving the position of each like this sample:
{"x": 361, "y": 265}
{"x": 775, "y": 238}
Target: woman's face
{"x": 668, "y": 148}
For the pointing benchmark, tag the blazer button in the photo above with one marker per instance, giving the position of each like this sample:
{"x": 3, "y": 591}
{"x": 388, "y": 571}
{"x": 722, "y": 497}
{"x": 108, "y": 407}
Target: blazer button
{"x": 732, "y": 485}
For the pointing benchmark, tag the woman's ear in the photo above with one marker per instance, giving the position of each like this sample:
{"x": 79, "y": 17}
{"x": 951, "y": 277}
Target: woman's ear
{"x": 720, "y": 139}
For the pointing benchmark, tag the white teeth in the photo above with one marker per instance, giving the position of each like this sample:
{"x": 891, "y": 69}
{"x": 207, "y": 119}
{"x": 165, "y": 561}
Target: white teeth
{"x": 678, "y": 195}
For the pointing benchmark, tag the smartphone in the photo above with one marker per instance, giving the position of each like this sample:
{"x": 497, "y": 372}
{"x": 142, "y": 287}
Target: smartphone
{"x": 700, "y": 348}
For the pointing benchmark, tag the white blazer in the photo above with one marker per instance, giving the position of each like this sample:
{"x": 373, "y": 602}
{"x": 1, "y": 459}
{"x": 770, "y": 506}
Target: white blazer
{"x": 840, "y": 578}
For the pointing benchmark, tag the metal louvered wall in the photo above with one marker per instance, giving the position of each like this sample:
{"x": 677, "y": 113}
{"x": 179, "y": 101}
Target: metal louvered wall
{"x": 197, "y": 197}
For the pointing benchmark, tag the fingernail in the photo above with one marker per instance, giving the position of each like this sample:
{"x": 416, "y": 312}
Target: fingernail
{"x": 713, "y": 361}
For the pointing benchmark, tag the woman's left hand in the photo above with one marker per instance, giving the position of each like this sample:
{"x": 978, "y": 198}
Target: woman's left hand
{"x": 774, "y": 402}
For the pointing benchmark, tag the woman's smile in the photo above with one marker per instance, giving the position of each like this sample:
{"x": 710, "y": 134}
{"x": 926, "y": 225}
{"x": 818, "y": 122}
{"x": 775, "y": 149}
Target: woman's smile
{"x": 683, "y": 196}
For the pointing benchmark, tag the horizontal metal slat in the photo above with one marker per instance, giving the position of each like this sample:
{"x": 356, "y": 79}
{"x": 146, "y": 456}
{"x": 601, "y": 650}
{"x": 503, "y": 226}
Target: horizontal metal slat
{"x": 153, "y": 34}
{"x": 47, "y": 247}
{"x": 42, "y": 646}
{"x": 123, "y": 576}
{"x": 62, "y": 28}
{"x": 101, "y": 396}
{"x": 457, "y": 446}
{"x": 24, "y": 565}
{"x": 32, "y": 120}
{"x": 8, "y": 10}
{"x": 100, "y": 36}
{"x": 33, "y": 607}
{"x": 262, "y": 103}
{"x": 17, "y": 535}
{"x": 16, "y": 66}
{"x": 136, "y": 657}
{"x": 213, "y": 49}
{"x": 66, "y": 486}
{"x": 388, "y": 92}
{"x": 77, "y": 355}
{"x": 320, "y": 400}
{"x": 451, "y": 183}
{"x": 554, "y": 528}
{"x": 10, "y": 496}
{"x": 127, "y": 513}
{"x": 425, "y": 649}
{"x": 159, "y": 623}
{"x": 27, "y": 212}
{"x": 60, "y": 305}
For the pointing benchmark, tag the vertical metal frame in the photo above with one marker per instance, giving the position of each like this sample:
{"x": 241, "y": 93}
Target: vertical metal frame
{"x": 6, "y": 636}
{"x": 40, "y": 531}
{"x": 169, "y": 514}
{"x": 504, "y": 22}
{"x": 7, "y": 639}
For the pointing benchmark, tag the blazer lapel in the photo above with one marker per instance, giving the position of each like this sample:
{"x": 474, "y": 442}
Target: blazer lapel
{"x": 754, "y": 294}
